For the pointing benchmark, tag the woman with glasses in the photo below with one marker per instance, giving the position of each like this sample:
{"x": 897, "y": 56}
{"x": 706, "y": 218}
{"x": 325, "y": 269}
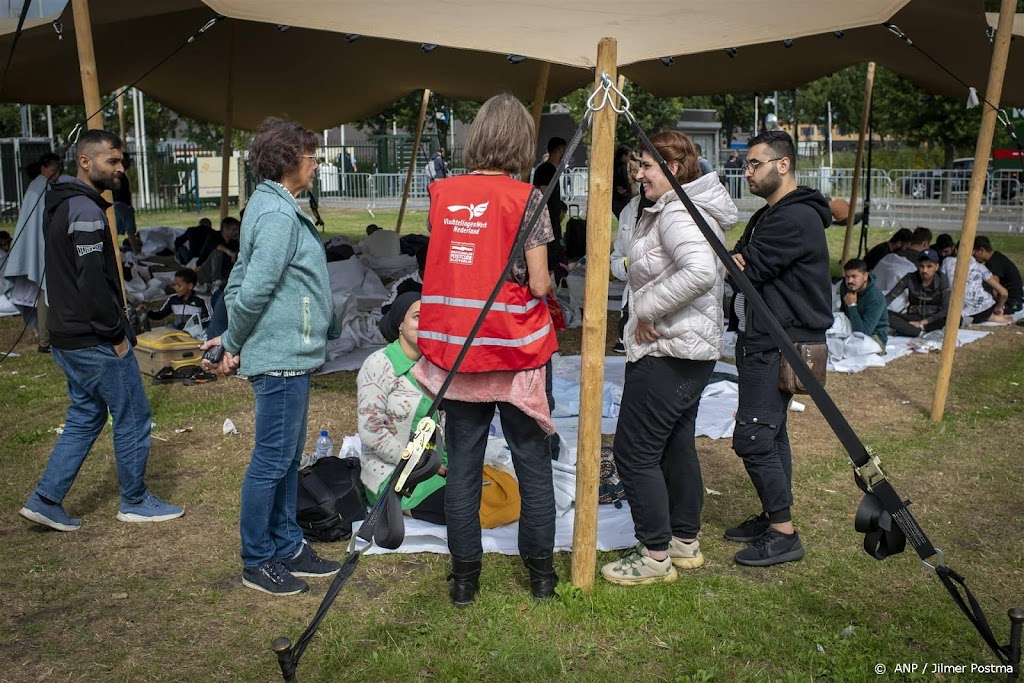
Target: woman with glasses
{"x": 673, "y": 338}
{"x": 280, "y": 316}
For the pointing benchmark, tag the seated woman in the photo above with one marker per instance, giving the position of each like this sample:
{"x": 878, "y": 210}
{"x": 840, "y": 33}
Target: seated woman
{"x": 390, "y": 405}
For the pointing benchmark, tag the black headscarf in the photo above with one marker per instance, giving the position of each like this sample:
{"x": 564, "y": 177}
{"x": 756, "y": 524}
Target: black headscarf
{"x": 396, "y": 314}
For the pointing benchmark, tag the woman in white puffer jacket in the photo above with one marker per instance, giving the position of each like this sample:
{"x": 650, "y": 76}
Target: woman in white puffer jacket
{"x": 673, "y": 338}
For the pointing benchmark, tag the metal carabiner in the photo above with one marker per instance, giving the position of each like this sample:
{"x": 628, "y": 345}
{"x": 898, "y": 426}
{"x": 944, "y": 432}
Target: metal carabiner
{"x": 940, "y": 563}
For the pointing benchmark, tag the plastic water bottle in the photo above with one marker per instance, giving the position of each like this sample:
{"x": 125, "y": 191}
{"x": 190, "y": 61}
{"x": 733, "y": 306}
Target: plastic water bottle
{"x": 324, "y": 446}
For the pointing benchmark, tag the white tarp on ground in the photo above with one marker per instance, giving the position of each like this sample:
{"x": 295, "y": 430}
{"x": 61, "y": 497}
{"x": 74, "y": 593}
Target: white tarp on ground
{"x": 155, "y": 240}
{"x": 6, "y": 307}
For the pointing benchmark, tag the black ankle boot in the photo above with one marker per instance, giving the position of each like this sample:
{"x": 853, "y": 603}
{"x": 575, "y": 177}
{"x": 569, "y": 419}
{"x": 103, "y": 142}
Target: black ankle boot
{"x": 542, "y": 576}
{"x": 465, "y": 581}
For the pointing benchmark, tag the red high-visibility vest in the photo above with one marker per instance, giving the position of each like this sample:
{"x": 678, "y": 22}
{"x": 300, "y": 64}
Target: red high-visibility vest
{"x": 474, "y": 220}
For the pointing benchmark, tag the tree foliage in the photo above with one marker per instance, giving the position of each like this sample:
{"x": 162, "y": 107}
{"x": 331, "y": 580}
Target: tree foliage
{"x": 405, "y": 113}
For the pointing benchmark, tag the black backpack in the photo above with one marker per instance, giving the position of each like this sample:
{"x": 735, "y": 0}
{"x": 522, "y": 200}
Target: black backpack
{"x": 329, "y": 499}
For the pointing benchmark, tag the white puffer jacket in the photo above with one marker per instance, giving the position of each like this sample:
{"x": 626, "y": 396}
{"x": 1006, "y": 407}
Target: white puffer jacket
{"x": 677, "y": 281}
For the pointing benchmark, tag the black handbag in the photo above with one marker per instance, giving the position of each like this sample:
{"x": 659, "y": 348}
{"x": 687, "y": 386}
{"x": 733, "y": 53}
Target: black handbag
{"x": 329, "y": 499}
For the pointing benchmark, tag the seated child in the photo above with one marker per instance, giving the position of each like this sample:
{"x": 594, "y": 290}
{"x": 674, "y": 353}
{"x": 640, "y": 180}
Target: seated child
{"x": 390, "y": 404}
{"x": 184, "y": 303}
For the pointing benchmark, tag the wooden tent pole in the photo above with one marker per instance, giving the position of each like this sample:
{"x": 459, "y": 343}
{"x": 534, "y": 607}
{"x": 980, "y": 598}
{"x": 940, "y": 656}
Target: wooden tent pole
{"x": 595, "y": 312}
{"x": 120, "y": 115}
{"x": 865, "y": 117}
{"x": 91, "y": 95}
{"x": 982, "y": 151}
{"x": 412, "y": 159}
{"x": 229, "y": 116}
{"x": 540, "y": 94}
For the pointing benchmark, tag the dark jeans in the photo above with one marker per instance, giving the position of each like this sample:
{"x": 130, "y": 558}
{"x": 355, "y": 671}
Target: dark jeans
{"x": 654, "y": 447}
{"x": 218, "y": 317}
{"x": 899, "y": 323}
{"x": 268, "y": 526}
{"x": 760, "y": 436}
{"x": 466, "y": 435}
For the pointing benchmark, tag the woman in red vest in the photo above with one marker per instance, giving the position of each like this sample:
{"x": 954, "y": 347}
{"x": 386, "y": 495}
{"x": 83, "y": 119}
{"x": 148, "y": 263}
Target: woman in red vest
{"x": 474, "y": 220}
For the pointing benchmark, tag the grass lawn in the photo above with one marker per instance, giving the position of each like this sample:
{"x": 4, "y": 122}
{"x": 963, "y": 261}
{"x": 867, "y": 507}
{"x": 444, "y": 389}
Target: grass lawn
{"x": 123, "y": 603}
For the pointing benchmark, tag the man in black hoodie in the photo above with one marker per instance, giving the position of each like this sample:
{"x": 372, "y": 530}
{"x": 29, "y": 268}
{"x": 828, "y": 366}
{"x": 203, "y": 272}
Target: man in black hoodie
{"x": 784, "y": 254}
{"x": 87, "y": 335}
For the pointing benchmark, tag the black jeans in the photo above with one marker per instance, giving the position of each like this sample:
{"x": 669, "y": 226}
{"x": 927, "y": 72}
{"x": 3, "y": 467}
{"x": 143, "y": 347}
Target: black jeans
{"x": 760, "y": 436}
{"x": 466, "y": 436}
{"x": 431, "y": 508}
{"x": 654, "y": 447}
{"x": 899, "y": 323}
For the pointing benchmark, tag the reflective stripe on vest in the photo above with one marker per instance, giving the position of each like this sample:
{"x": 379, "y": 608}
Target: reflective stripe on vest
{"x": 478, "y": 304}
{"x": 487, "y": 341}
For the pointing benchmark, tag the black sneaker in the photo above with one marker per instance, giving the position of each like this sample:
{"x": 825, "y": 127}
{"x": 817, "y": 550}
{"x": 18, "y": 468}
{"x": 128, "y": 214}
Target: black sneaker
{"x": 43, "y": 348}
{"x": 619, "y": 347}
{"x": 771, "y": 547}
{"x": 308, "y": 563}
{"x": 274, "y": 578}
{"x": 749, "y": 530}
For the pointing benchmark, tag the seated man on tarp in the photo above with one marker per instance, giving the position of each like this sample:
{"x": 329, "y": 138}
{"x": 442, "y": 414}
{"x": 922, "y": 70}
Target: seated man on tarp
{"x": 927, "y": 298}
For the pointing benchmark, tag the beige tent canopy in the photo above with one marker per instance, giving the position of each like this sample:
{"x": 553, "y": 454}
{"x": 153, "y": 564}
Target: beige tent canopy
{"x": 953, "y": 32}
{"x": 567, "y": 32}
{"x": 315, "y": 77}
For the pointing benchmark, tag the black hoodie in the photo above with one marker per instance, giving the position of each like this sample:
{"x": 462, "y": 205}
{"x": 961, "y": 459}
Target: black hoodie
{"x": 82, "y": 284}
{"x": 787, "y": 262}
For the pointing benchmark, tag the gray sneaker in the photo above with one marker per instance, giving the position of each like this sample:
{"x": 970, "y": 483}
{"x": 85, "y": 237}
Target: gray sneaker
{"x": 274, "y": 578}
{"x": 636, "y": 567}
{"x": 685, "y": 555}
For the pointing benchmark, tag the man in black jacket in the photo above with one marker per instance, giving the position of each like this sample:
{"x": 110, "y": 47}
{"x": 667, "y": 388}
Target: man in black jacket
{"x": 87, "y": 335}
{"x": 784, "y": 254}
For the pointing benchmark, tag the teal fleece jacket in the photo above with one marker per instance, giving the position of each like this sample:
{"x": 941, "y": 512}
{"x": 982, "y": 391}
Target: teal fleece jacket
{"x": 870, "y": 316}
{"x": 278, "y": 298}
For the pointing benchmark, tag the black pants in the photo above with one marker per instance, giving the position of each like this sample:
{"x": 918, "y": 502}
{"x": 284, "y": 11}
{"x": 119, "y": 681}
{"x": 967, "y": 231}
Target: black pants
{"x": 760, "y": 436}
{"x": 654, "y": 447}
{"x": 466, "y": 438}
{"x": 431, "y": 508}
{"x": 623, "y": 318}
{"x": 899, "y": 323}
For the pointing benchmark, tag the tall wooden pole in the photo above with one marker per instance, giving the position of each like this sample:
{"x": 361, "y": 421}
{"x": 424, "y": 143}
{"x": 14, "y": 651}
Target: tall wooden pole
{"x": 540, "y": 94}
{"x": 864, "y": 118}
{"x": 229, "y": 115}
{"x": 993, "y": 92}
{"x": 91, "y": 95}
{"x": 120, "y": 114}
{"x": 595, "y": 313}
{"x": 412, "y": 159}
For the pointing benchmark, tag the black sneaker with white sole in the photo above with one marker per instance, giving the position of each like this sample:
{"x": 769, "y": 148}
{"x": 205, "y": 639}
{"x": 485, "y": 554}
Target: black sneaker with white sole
{"x": 273, "y": 577}
{"x": 620, "y": 347}
{"x": 748, "y": 530}
{"x": 771, "y": 547}
{"x": 308, "y": 563}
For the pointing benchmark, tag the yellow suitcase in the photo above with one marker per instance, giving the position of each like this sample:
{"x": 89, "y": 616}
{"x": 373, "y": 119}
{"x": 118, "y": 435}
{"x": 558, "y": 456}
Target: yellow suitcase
{"x": 164, "y": 348}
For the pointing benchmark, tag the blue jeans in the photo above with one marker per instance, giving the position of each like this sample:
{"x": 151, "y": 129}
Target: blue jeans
{"x": 466, "y": 438}
{"x": 268, "y": 526}
{"x": 99, "y": 382}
